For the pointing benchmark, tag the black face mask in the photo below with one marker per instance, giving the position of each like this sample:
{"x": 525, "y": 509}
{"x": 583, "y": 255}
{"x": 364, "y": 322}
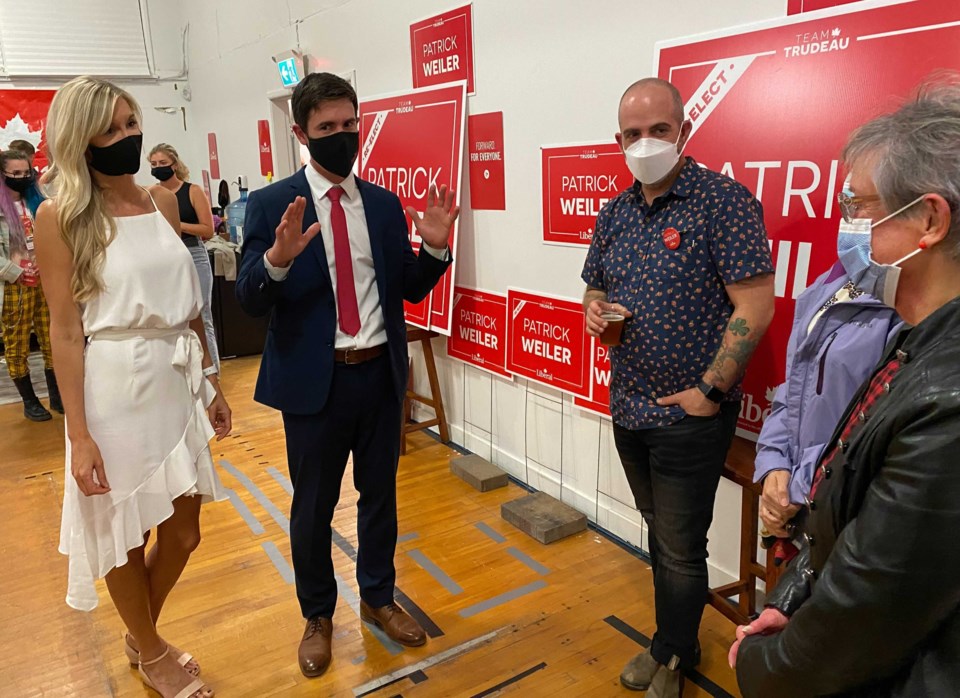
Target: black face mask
{"x": 120, "y": 158}
{"x": 162, "y": 173}
{"x": 20, "y": 184}
{"x": 335, "y": 153}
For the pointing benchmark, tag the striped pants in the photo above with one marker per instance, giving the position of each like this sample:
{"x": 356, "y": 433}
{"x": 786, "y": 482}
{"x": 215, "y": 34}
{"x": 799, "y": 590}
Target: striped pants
{"x": 24, "y": 309}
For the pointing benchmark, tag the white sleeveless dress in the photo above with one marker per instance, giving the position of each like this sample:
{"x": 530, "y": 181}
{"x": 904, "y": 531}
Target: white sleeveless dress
{"x": 145, "y": 398}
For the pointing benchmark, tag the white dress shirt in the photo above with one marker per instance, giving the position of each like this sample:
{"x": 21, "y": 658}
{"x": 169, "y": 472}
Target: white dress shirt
{"x": 372, "y": 327}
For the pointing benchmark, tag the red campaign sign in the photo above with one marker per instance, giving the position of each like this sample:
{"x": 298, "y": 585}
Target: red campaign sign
{"x": 600, "y": 380}
{"x": 441, "y": 48}
{"x": 479, "y": 335}
{"x": 795, "y": 7}
{"x": 265, "y": 148}
{"x": 23, "y": 117}
{"x": 214, "y": 155}
{"x": 206, "y": 184}
{"x": 547, "y": 342}
{"x": 485, "y": 139}
{"x": 410, "y": 142}
{"x": 800, "y": 86}
{"x": 577, "y": 181}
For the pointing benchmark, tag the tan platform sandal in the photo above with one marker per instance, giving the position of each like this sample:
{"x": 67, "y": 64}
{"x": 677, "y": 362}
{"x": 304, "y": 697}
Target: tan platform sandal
{"x": 195, "y": 689}
{"x": 133, "y": 656}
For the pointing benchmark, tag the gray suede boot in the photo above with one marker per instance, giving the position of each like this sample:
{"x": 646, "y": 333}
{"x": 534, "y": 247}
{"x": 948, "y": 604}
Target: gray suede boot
{"x": 638, "y": 674}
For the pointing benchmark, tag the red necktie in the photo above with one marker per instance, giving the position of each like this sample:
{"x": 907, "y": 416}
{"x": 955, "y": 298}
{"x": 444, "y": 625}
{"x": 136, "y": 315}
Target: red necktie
{"x": 347, "y": 310}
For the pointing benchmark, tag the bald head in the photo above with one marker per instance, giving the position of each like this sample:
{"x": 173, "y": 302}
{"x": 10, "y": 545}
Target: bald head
{"x": 653, "y": 93}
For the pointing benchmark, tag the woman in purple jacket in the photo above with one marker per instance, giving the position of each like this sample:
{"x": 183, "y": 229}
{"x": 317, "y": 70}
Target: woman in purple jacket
{"x": 839, "y": 334}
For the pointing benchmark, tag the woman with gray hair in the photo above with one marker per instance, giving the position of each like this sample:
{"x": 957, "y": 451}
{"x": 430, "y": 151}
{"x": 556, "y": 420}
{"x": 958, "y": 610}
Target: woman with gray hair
{"x": 871, "y": 606}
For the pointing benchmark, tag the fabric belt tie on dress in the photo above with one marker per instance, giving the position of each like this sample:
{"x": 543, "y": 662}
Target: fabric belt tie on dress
{"x": 187, "y": 355}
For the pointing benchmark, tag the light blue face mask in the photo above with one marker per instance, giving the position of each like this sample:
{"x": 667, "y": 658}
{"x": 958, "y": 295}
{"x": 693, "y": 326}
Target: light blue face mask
{"x": 853, "y": 248}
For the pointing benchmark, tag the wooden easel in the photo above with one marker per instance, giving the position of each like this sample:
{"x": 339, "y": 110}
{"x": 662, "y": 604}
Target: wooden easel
{"x": 415, "y": 334}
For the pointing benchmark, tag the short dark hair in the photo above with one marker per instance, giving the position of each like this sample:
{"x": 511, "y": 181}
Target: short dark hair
{"x": 317, "y": 88}
{"x": 24, "y": 147}
{"x": 8, "y": 155}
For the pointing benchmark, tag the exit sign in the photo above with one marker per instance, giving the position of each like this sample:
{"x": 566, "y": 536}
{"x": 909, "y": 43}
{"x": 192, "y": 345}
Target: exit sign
{"x": 288, "y": 72}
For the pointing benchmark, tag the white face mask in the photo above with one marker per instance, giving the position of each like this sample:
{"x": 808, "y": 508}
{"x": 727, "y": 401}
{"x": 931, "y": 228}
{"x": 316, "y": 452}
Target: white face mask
{"x": 650, "y": 159}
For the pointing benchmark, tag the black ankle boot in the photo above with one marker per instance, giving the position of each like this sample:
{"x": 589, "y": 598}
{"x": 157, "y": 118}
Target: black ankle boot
{"x": 53, "y": 389}
{"x": 32, "y": 409}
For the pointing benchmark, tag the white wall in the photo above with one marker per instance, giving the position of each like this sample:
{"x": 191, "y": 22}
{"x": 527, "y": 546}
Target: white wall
{"x": 556, "y": 69}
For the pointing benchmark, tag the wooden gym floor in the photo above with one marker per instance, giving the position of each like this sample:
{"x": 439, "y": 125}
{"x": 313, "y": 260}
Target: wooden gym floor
{"x": 506, "y": 615}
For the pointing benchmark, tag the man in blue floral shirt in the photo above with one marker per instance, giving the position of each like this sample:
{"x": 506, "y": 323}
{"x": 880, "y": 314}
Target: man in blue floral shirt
{"x": 683, "y": 255}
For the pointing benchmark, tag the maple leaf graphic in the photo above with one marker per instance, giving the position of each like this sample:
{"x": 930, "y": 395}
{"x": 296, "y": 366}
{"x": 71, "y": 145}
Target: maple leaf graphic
{"x": 836, "y": 32}
{"x": 18, "y": 129}
{"x": 771, "y": 392}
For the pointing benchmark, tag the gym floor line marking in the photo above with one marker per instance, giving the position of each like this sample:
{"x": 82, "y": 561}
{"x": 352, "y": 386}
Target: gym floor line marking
{"x": 503, "y": 598}
{"x": 455, "y": 651}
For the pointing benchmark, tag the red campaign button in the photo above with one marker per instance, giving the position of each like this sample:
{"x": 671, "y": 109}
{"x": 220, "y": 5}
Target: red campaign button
{"x": 671, "y": 238}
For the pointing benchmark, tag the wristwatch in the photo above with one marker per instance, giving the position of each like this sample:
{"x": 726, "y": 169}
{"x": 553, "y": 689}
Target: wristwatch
{"x": 711, "y": 393}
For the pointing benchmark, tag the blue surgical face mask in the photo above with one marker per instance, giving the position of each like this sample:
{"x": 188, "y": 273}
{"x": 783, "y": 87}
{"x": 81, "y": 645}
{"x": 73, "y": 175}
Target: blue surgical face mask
{"x": 853, "y": 248}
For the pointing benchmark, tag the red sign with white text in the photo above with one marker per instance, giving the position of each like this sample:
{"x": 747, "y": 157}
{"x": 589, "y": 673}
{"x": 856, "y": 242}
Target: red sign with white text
{"x": 479, "y": 335}
{"x": 206, "y": 184}
{"x": 214, "y": 155}
{"x": 265, "y": 147}
{"x": 23, "y": 117}
{"x": 485, "y": 142}
{"x": 600, "y": 381}
{"x": 547, "y": 341}
{"x": 795, "y": 7}
{"x": 441, "y": 48}
{"x": 800, "y": 86}
{"x": 578, "y": 180}
{"x": 409, "y": 143}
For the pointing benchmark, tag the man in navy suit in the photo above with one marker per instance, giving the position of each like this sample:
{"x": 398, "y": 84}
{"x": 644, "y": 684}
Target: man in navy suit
{"x": 329, "y": 255}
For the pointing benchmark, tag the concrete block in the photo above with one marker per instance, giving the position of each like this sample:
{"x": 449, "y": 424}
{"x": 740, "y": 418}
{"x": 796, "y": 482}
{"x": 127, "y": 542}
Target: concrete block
{"x": 480, "y": 474}
{"x": 542, "y": 517}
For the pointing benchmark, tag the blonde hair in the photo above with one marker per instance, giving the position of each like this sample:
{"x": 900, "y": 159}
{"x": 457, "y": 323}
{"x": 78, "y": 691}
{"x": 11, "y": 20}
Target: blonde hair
{"x": 179, "y": 169}
{"x": 81, "y": 110}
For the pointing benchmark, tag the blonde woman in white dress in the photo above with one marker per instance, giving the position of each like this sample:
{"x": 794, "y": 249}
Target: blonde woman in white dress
{"x": 141, "y": 404}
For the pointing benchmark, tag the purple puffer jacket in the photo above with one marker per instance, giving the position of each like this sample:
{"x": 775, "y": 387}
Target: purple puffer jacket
{"x": 824, "y": 370}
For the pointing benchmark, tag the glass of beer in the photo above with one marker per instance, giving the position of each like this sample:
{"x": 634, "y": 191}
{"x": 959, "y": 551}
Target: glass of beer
{"x": 611, "y": 335}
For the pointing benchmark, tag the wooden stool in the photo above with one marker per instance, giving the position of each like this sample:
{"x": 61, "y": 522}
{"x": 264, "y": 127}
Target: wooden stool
{"x": 739, "y": 468}
{"x": 415, "y": 334}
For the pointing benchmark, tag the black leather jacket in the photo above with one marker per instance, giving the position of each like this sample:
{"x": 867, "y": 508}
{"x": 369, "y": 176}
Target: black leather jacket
{"x": 874, "y": 597}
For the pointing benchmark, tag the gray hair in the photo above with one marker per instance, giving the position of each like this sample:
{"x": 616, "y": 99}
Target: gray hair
{"x": 915, "y": 151}
{"x": 669, "y": 86}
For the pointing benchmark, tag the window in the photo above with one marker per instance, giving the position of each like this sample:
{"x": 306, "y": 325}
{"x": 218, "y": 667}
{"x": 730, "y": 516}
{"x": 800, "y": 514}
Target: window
{"x": 54, "y": 38}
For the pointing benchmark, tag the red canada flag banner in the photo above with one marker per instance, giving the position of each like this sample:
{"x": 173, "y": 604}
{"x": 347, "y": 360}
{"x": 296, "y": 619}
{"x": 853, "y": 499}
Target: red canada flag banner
{"x": 23, "y": 116}
{"x": 771, "y": 106}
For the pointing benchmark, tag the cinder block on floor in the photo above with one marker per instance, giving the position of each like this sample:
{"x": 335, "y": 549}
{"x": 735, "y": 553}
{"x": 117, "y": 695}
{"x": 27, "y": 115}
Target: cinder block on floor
{"x": 541, "y": 516}
{"x": 480, "y": 474}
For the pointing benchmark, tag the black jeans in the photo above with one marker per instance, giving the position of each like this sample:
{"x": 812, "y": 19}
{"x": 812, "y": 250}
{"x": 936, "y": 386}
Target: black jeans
{"x": 673, "y": 473}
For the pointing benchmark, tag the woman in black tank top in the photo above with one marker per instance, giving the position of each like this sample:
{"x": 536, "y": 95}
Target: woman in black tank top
{"x": 196, "y": 225}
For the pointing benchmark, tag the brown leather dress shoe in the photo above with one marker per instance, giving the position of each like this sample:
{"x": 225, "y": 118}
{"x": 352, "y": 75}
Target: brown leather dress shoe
{"x": 395, "y": 623}
{"x": 314, "y": 653}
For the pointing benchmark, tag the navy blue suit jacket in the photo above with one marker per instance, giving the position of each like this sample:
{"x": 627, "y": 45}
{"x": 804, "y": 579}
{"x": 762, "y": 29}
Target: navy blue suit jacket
{"x": 297, "y": 364}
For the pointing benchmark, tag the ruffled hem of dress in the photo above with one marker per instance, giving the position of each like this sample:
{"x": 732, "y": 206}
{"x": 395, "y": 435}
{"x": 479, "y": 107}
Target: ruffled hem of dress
{"x": 187, "y": 470}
